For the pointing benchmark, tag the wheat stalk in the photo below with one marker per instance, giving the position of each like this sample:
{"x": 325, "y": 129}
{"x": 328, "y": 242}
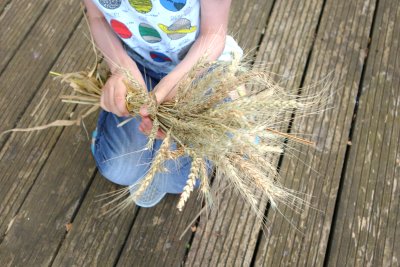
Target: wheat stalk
{"x": 207, "y": 123}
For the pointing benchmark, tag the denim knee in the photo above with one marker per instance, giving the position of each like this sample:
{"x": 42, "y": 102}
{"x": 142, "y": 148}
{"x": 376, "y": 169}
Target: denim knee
{"x": 120, "y": 172}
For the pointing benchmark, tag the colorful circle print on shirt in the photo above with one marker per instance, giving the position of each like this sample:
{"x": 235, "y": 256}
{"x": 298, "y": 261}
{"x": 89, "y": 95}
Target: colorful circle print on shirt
{"x": 120, "y": 29}
{"x": 110, "y": 4}
{"x": 141, "y": 6}
{"x": 148, "y": 33}
{"x": 159, "y": 57}
{"x": 173, "y": 5}
{"x": 178, "y": 29}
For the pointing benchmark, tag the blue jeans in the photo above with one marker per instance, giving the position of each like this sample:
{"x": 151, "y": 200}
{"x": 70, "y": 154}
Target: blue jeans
{"x": 120, "y": 152}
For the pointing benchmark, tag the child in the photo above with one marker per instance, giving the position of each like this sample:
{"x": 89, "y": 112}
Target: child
{"x": 158, "y": 41}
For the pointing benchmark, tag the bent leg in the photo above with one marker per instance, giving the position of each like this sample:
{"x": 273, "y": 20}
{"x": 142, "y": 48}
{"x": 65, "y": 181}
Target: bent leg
{"x": 120, "y": 152}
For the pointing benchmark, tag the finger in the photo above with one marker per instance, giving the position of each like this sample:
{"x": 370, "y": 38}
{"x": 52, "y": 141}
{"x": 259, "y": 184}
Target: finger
{"x": 119, "y": 101}
{"x": 141, "y": 128}
{"x": 144, "y": 130}
{"x": 160, "y": 134}
{"x": 108, "y": 99}
{"x": 103, "y": 101}
{"x": 147, "y": 124}
{"x": 143, "y": 111}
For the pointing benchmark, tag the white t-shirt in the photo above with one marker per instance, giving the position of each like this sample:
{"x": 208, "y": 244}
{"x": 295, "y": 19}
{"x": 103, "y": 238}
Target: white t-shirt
{"x": 161, "y": 32}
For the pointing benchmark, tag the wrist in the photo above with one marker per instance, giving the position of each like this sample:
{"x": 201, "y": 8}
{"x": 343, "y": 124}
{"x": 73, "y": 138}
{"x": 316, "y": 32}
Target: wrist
{"x": 127, "y": 68}
{"x": 122, "y": 64}
{"x": 164, "y": 91}
{"x": 166, "y": 88}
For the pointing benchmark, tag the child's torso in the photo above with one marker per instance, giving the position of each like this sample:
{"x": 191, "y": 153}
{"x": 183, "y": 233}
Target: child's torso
{"x": 159, "y": 31}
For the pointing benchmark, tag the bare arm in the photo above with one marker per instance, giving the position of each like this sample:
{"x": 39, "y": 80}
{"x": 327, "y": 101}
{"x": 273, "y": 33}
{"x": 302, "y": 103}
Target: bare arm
{"x": 113, "y": 97}
{"x": 213, "y": 29}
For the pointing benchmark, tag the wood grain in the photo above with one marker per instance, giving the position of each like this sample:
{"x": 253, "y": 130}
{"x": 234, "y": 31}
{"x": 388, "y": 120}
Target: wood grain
{"x": 155, "y": 236}
{"x": 35, "y": 57}
{"x": 96, "y": 237}
{"x": 36, "y": 231}
{"x": 24, "y": 154}
{"x": 301, "y": 238}
{"x": 16, "y": 21}
{"x": 365, "y": 229}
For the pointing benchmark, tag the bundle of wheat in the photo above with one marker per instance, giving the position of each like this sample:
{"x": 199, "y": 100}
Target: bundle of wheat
{"x": 213, "y": 119}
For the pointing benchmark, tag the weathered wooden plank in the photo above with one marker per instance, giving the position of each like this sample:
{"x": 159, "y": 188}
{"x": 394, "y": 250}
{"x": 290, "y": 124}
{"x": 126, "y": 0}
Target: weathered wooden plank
{"x": 4, "y": 5}
{"x": 254, "y": 14}
{"x": 365, "y": 228}
{"x": 28, "y": 153}
{"x": 153, "y": 240}
{"x": 24, "y": 154}
{"x": 229, "y": 237}
{"x": 340, "y": 47}
{"x": 155, "y": 236}
{"x": 27, "y": 69}
{"x": 36, "y": 231}
{"x": 395, "y": 239}
{"x": 16, "y": 20}
{"x": 96, "y": 237}
{"x": 226, "y": 237}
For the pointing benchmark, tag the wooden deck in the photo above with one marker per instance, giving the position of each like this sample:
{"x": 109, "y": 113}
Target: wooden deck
{"x": 49, "y": 215}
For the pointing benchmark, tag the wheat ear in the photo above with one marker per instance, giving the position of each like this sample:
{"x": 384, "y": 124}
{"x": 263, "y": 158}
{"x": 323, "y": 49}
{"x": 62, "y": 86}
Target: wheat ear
{"x": 191, "y": 181}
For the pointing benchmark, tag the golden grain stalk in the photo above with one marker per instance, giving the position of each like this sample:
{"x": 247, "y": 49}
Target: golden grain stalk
{"x": 238, "y": 135}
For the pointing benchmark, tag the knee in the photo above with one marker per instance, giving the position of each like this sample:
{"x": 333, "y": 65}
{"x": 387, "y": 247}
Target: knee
{"x": 110, "y": 172}
{"x": 120, "y": 172}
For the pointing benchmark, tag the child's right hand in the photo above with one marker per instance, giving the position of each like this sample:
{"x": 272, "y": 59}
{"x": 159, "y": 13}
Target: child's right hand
{"x": 113, "y": 96}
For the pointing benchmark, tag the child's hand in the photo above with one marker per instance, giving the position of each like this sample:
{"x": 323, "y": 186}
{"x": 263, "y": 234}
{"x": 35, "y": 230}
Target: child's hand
{"x": 147, "y": 124}
{"x": 113, "y": 96}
